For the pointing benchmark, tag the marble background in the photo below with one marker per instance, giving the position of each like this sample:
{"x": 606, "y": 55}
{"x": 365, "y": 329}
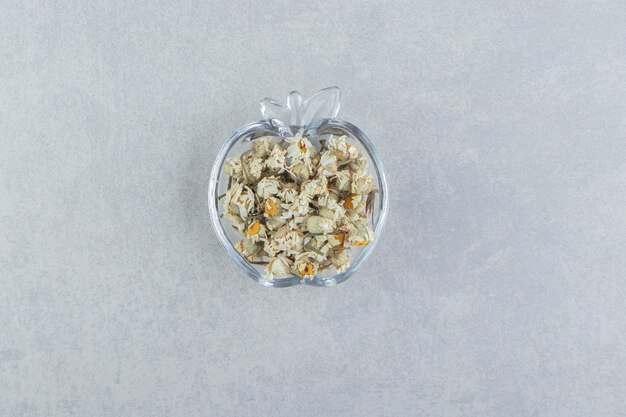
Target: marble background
{"x": 497, "y": 289}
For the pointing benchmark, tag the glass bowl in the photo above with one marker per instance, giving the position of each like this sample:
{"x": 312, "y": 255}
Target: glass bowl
{"x": 293, "y": 118}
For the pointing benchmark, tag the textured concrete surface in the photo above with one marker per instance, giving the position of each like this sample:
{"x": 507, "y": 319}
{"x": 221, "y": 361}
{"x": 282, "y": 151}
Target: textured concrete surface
{"x": 497, "y": 290}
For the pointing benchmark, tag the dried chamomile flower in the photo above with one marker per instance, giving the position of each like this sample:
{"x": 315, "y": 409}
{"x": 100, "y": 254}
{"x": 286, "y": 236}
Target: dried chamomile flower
{"x": 248, "y": 248}
{"x": 284, "y": 240}
{"x": 256, "y": 168}
{"x": 276, "y": 159}
{"x": 343, "y": 180}
{"x": 262, "y": 147}
{"x": 331, "y": 209}
{"x": 271, "y": 246}
{"x": 272, "y": 211}
{"x": 279, "y": 267}
{"x": 256, "y": 231}
{"x": 251, "y": 167}
{"x": 361, "y": 237}
{"x": 275, "y": 223}
{"x": 300, "y": 206}
{"x": 301, "y": 170}
{"x": 232, "y": 167}
{"x": 267, "y": 187}
{"x": 300, "y": 149}
{"x": 328, "y": 164}
{"x": 342, "y": 149}
{"x": 240, "y": 198}
{"x": 358, "y": 165}
{"x": 314, "y": 187}
{"x": 306, "y": 265}
{"x": 318, "y": 224}
{"x": 289, "y": 193}
{"x": 362, "y": 184}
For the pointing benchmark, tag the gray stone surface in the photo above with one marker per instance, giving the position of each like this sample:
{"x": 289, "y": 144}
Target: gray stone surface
{"x": 497, "y": 289}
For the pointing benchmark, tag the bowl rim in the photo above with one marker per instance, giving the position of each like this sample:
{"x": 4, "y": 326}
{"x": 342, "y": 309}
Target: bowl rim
{"x": 267, "y": 127}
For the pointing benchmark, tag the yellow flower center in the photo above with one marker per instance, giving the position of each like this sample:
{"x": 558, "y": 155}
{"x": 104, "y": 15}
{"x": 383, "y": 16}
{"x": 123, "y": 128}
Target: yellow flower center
{"x": 307, "y": 269}
{"x": 270, "y": 208}
{"x": 341, "y": 237}
{"x": 302, "y": 146}
{"x": 348, "y": 204}
{"x": 254, "y": 228}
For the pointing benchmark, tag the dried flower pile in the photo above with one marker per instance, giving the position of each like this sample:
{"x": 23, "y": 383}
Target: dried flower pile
{"x": 299, "y": 209}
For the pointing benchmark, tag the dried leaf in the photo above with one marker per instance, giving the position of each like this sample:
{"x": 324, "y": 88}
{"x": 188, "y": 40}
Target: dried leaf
{"x": 312, "y": 249}
{"x": 369, "y": 204}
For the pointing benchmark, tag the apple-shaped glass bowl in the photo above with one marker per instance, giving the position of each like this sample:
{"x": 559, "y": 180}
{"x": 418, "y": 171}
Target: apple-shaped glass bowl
{"x": 315, "y": 119}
